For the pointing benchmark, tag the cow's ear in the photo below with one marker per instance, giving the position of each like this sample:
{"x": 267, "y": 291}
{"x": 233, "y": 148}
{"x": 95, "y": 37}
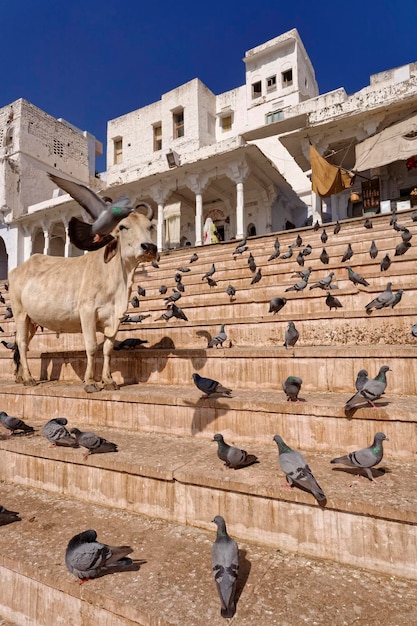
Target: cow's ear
{"x": 110, "y": 250}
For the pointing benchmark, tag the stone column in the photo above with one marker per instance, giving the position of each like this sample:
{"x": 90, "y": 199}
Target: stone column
{"x": 198, "y": 219}
{"x": 46, "y": 239}
{"x": 159, "y": 193}
{"x": 238, "y": 173}
{"x": 160, "y": 231}
{"x": 316, "y": 208}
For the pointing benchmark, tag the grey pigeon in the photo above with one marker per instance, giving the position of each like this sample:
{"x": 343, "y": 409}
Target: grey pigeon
{"x": 298, "y": 241}
{"x": 233, "y": 457}
{"x": 367, "y": 223}
{"x": 251, "y": 263}
{"x": 333, "y": 302}
{"x": 371, "y": 391}
{"x": 361, "y": 379}
{"x": 287, "y": 255}
{"x": 141, "y": 291}
{"x": 276, "y": 304}
{"x": 180, "y": 287}
{"x": 257, "y": 277}
{"x": 307, "y": 250}
{"x": 316, "y": 226}
{"x": 365, "y": 458}
{"x": 295, "y": 468}
{"x": 2, "y": 300}
{"x": 211, "y": 282}
{"x": 218, "y": 339}
{"x": 324, "y": 257}
{"x": 373, "y": 250}
{"x": 402, "y": 248}
{"x": 323, "y": 283}
{"x": 406, "y": 235}
{"x": 396, "y": 298}
{"x": 7, "y": 517}
{"x": 193, "y": 257}
{"x": 163, "y": 289}
{"x": 184, "y": 270}
{"x": 356, "y": 278}
{"x": 302, "y": 284}
{"x": 414, "y": 330}
{"x": 57, "y": 434}
{"x": 106, "y": 216}
{"x": 413, "y": 218}
{"x": 300, "y": 259}
{"x": 13, "y": 424}
{"x": 337, "y": 228}
{"x": 177, "y": 312}
{"x": 276, "y": 243}
{"x": 209, "y": 386}
{"x": 137, "y": 318}
{"x": 348, "y": 253}
{"x": 130, "y": 343}
{"x": 231, "y": 291}
{"x": 385, "y": 263}
{"x": 274, "y": 255}
{"x": 210, "y": 272}
{"x": 305, "y": 274}
{"x": 324, "y": 236}
{"x": 135, "y": 302}
{"x": 177, "y": 277}
{"x": 86, "y": 558}
{"x": 225, "y": 564}
{"x": 398, "y": 227}
{"x": 169, "y": 313}
{"x": 94, "y": 443}
{"x": 291, "y": 387}
{"x": 9, "y": 313}
{"x": 380, "y": 301}
{"x": 291, "y": 335}
{"x": 240, "y": 250}
{"x": 176, "y": 295}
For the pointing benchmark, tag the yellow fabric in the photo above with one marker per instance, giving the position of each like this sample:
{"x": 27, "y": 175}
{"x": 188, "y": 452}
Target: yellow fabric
{"x": 326, "y": 179}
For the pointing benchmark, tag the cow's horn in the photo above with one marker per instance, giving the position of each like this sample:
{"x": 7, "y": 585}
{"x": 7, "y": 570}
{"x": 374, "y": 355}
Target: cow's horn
{"x": 149, "y": 209}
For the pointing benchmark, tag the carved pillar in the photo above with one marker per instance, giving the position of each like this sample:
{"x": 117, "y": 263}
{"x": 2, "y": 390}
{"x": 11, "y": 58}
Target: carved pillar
{"x": 159, "y": 194}
{"x": 198, "y": 184}
{"x": 46, "y": 240}
{"x": 238, "y": 173}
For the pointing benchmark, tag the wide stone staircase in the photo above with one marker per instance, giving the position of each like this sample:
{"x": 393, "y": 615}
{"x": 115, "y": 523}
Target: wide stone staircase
{"x": 299, "y": 562}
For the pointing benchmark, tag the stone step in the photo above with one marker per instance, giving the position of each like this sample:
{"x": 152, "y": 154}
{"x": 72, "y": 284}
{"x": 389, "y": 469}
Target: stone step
{"x": 317, "y": 423}
{"x": 171, "y": 581}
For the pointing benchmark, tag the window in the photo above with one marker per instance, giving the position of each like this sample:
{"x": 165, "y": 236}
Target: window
{"x": 226, "y": 122}
{"x": 287, "y": 78}
{"x": 118, "y": 150}
{"x": 58, "y": 147}
{"x": 271, "y": 83}
{"x": 157, "y": 137}
{"x": 257, "y": 89}
{"x": 178, "y": 124}
{"x": 274, "y": 116}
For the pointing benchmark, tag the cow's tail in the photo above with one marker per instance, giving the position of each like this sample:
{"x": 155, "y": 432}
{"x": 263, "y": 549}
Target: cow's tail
{"x": 16, "y": 359}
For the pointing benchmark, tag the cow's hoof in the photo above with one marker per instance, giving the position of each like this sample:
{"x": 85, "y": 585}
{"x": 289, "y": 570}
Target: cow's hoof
{"x": 91, "y": 388}
{"x": 111, "y": 386}
{"x": 30, "y": 382}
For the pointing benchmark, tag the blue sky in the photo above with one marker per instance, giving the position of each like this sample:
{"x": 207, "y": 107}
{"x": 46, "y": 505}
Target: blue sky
{"x": 89, "y": 61}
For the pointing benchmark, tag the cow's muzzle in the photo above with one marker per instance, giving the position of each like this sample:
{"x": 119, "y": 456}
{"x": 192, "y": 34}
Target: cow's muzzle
{"x": 149, "y": 250}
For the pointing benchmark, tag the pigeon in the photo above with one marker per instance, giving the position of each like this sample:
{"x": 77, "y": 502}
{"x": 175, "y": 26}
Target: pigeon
{"x": 287, "y": 255}
{"x": 210, "y": 272}
{"x": 300, "y": 259}
{"x": 295, "y": 468}
{"x": 307, "y": 250}
{"x": 348, "y": 253}
{"x": 257, "y": 277}
{"x": 94, "y": 443}
{"x": 193, "y": 257}
{"x": 380, "y": 301}
{"x": 251, "y": 263}
{"x": 130, "y": 343}
{"x": 274, "y": 255}
{"x": 406, "y": 235}
{"x": 305, "y": 274}
{"x": 361, "y": 379}
{"x": 106, "y": 216}
{"x": 225, "y": 564}
{"x": 135, "y": 302}
{"x": 276, "y": 243}
{"x": 302, "y": 284}
{"x": 396, "y": 298}
{"x": 174, "y": 297}
{"x": 7, "y": 517}
{"x": 291, "y": 387}
{"x": 324, "y": 237}
{"x": 323, "y": 283}
{"x": 414, "y": 328}
{"x": 180, "y": 287}
{"x": 177, "y": 312}
{"x": 209, "y": 386}
{"x": 298, "y": 241}
{"x": 13, "y": 424}
{"x": 9, "y": 313}
{"x": 177, "y": 277}
{"x": 184, "y": 270}
{"x": 367, "y": 223}
{"x": 371, "y": 391}
{"x": 218, "y": 339}
{"x": 239, "y": 250}
{"x": 134, "y": 319}
{"x": 402, "y": 248}
{"x": 356, "y": 278}
{"x": 167, "y": 315}
{"x": 2, "y": 300}
{"x": 141, "y": 291}
{"x": 233, "y": 457}
{"x": 413, "y": 218}
{"x": 86, "y": 558}
{"x": 9, "y": 345}
{"x": 373, "y": 250}
{"x": 163, "y": 289}
{"x": 333, "y": 302}
{"x": 385, "y": 263}
{"x": 276, "y": 304}
{"x": 316, "y": 226}
{"x": 398, "y": 227}
{"x": 324, "y": 257}
{"x": 57, "y": 434}
{"x": 365, "y": 458}
{"x": 211, "y": 282}
{"x": 6, "y": 286}
{"x": 231, "y": 291}
{"x": 337, "y": 228}
{"x": 1, "y": 330}
{"x": 291, "y": 335}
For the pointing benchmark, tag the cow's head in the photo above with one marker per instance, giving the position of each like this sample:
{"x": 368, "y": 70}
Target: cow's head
{"x": 133, "y": 236}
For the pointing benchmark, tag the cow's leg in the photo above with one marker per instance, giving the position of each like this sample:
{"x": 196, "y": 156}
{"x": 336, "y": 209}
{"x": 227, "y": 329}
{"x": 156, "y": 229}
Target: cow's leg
{"x": 25, "y": 329}
{"x": 108, "y": 382}
{"x": 90, "y": 341}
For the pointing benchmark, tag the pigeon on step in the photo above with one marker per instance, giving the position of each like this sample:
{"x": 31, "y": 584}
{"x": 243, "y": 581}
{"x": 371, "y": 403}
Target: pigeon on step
{"x": 333, "y": 302}
{"x": 233, "y": 457}
{"x": 225, "y": 563}
{"x": 231, "y": 291}
{"x": 94, "y": 443}
{"x": 373, "y": 250}
{"x": 163, "y": 289}
{"x": 251, "y": 263}
{"x": 324, "y": 257}
{"x": 316, "y": 226}
{"x": 414, "y": 328}
{"x": 307, "y": 250}
{"x": 361, "y": 379}
{"x": 209, "y": 273}
{"x": 209, "y": 386}
{"x": 385, "y": 263}
{"x": 295, "y": 467}
{"x": 348, "y": 253}
{"x": 7, "y": 517}
{"x": 9, "y": 313}
{"x": 135, "y": 302}
{"x": 367, "y": 223}
{"x": 323, "y": 283}
{"x": 257, "y": 277}
{"x": 324, "y": 237}
{"x": 337, "y": 228}
{"x": 356, "y": 278}
{"x": 193, "y": 257}
{"x": 276, "y": 304}
{"x": 57, "y": 434}
{"x": 365, "y": 458}
{"x": 13, "y": 424}
{"x": 371, "y": 391}
{"x": 381, "y": 301}
{"x": 218, "y": 339}
{"x": 130, "y": 343}
{"x": 86, "y": 558}
{"x": 402, "y": 248}
{"x": 300, "y": 259}
{"x": 287, "y": 255}
{"x": 291, "y": 335}
{"x": 291, "y": 387}
{"x": 134, "y": 319}
{"x": 302, "y": 284}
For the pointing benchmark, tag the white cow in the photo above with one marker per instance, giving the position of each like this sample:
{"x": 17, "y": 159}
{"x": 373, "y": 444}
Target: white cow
{"x": 84, "y": 294}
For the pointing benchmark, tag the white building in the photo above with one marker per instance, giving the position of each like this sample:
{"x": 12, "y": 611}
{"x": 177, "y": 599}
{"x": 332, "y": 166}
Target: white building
{"x": 241, "y": 157}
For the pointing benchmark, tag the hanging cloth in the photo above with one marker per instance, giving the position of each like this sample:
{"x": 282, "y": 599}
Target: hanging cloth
{"x": 327, "y": 179}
